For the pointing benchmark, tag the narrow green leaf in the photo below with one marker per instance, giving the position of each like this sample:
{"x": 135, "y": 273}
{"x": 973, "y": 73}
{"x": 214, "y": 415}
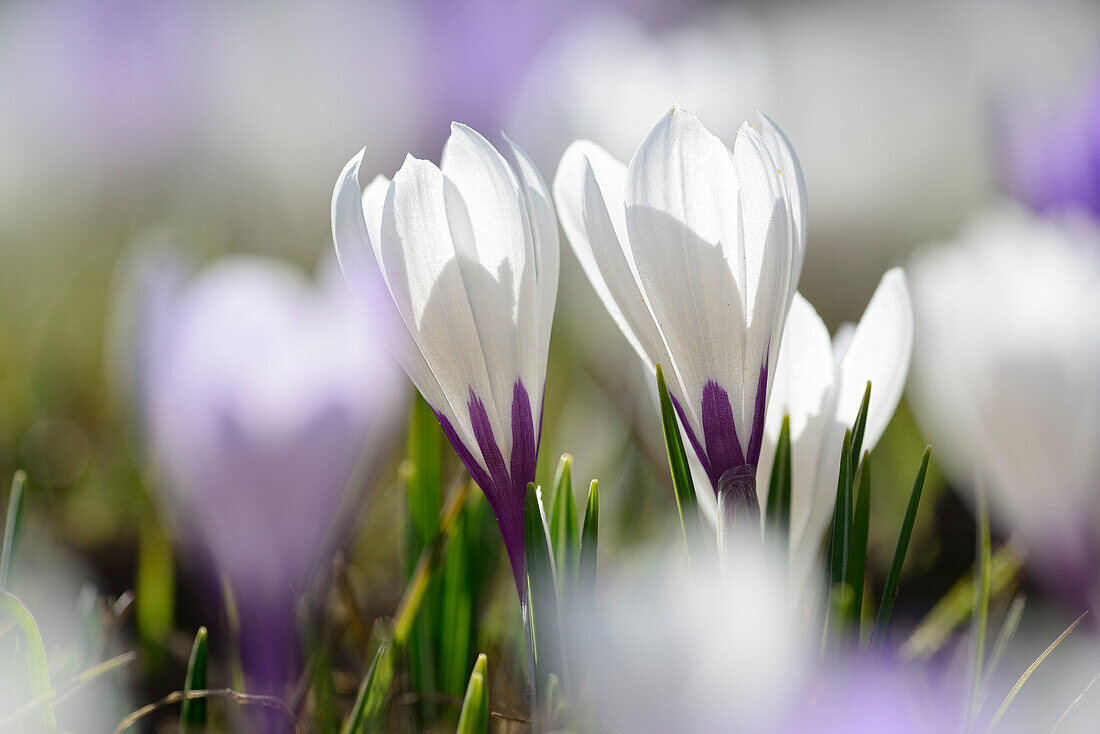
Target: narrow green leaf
{"x": 193, "y": 710}
{"x": 860, "y": 426}
{"x": 890, "y": 592}
{"x": 841, "y": 535}
{"x": 542, "y": 601}
{"x": 586, "y": 586}
{"x": 372, "y": 691}
{"x": 326, "y": 718}
{"x": 564, "y": 534}
{"x": 860, "y": 527}
{"x": 457, "y": 609}
{"x": 474, "y": 718}
{"x": 957, "y": 606}
{"x": 778, "y": 513}
{"x": 36, "y": 683}
{"x": 981, "y": 606}
{"x": 423, "y": 476}
{"x": 686, "y": 502}
{"x": 13, "y": 524}
{"x": 1027, "y": 674}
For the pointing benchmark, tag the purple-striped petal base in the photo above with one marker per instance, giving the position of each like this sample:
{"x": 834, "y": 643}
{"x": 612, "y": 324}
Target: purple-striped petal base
{"x": 503, "y": 482}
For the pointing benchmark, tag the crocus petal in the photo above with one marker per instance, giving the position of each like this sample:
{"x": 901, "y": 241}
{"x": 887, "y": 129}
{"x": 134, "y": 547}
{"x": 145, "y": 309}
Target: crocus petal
{"x": 681, "y": 198}
{"x": 801, "y": 390}
{"x": 879, "y": 351}
{"x": 569, "y": 196}
{"x": 544, "y": 231}
{"x": 794, "y": 189}
{"x": 374, "y": 198}
{"x": 427, "y": 285}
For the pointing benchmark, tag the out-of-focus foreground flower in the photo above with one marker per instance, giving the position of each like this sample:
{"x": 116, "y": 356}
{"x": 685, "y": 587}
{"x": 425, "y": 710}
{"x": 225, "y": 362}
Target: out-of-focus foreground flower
{"x": 469, "y": 252}
{"x": 820, "y": 386}
{"x": 1005, "y": 380}
{"x": 696, "y": 252}
{"x": 261, "y": 394}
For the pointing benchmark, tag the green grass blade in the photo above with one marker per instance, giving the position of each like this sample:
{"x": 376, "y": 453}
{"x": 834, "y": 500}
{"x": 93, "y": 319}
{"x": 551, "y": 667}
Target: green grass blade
{"x": 890, "y": 592}
{"x": 860, "y": 426}
{"x": 457, "y": 609}
{"x": 193, "y": 710}
{"x": 13, "y": 525}
{"x": 860, "y": 526}
{"x": 980, "y": 620}
{"x": 957, "y": 606}
{"x": 474, "y": 718}
{"x": 586, "y": 584}
{"x": 423, "y": 475}
{"x": 36, "y": 684}
{"x": 778, "y": 512}
{"x": 564, "y": 534}
{"x": 1009, "y": 626}
{"x": 1027, "y": 674}
{"x": 841, "y": 535}
{"x": 542, "y": 600}
{"x": 372, "y": 691}
{"x": 686, "y": 502}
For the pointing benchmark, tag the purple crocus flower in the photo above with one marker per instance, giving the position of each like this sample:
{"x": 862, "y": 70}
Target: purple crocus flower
{"x": 264, "y": 398}
{"x": 696, "y": 251}
{"x": 1052, "y": 160}
{"x": 469, "y": 252}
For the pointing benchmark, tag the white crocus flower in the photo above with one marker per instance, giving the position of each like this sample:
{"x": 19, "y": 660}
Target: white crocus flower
{"x": 469, "y": 253}
{"x": 696, "y": 251}
{"x": 1006, "y": 381}
{"x": 820, "y": 384}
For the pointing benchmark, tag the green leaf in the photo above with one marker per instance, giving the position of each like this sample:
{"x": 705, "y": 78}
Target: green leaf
{"x": 957, "y": 605}
{"x": 686, "y": 502}
{"x": 12, "y": 526}
{"x": 860, "y": 426}
{"x": 474, "y": 718}
{"x": 457, "y": 608}
{"x": 778, "y": 512}
{"x": 841, "y": 535}
{"x": 36, "y": 684}
{"x": 423, "y": 476}
{"x": 586, "y": 585}
{"x": 1027, "y": 674}
{"x": 193, "y": 710}
{"x": 372, "y": 692}
{"x": 860, "y": 527}
{"x": 564, "y": 534}
{"x": 544, "y": 625}
{"x": 155, "y": 588}
{"x": 890, "y": 592}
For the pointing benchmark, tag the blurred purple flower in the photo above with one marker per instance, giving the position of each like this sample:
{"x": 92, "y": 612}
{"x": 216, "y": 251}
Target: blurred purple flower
{"x": 265, "y": 399}
{"x": 1052, "y": 160}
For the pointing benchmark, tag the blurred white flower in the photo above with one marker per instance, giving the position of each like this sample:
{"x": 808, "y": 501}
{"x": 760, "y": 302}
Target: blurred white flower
{"x": 469, "y": 252}
{"x": 820, "y": 385}
{"x": 605, "y": 78}
{"x": 666, "y": 649}
{"x": 695, "y": 251}
{"x": 1005, "y": 378}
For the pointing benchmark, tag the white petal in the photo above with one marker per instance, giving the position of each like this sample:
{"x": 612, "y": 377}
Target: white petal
{"x": 802, "y": 389}
{"x": 374, "y": 198}
{"x": 357, "y": 251}
{"x": 428, "y": 287}
{"x": 794, "y": 190}
{"x": 569, "y": 188}
{"x": 618, "y": 275}
{"x": 681, "y": 198}
{"x": 879, "y": 351}
{"x": 496, "y": 259}
{"x": 544, "y": 230}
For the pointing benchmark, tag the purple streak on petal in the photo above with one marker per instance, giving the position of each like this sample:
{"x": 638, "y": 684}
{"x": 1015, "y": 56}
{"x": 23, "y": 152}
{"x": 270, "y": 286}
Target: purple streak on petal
{"x": 504, "y": 499}
{"x": 468, "y": 460}
{"x": 757, "y": 434}
{"x": 720, "y": 432}
{"x": 694, "y": 441}
{"x": 524, "y": 447}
